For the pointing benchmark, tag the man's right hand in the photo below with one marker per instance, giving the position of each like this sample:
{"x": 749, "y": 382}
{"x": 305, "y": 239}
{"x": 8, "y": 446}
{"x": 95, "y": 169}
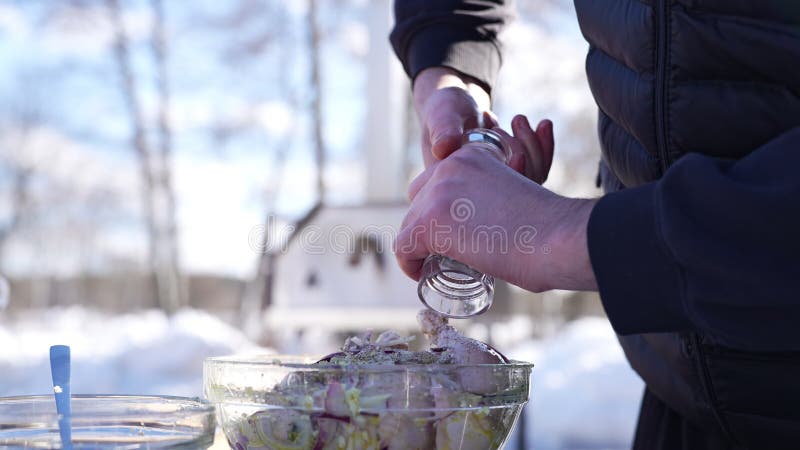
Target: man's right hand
{"x": 448, "y": 103}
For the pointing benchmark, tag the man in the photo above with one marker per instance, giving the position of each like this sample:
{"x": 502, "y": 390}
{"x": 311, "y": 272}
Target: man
{"x": 695, "y": 248}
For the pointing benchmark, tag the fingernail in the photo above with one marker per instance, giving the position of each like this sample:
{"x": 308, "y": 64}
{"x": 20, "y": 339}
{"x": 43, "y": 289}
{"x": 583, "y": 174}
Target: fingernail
{"x": 488, "y": 120}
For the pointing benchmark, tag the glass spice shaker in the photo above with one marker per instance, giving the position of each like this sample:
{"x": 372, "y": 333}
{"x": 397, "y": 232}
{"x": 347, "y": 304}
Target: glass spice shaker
{"x": 447, "y": 286}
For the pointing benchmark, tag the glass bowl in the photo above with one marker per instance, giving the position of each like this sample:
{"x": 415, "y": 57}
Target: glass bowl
{"x": 279, "y": 402}
{"x": 109, "y": 421}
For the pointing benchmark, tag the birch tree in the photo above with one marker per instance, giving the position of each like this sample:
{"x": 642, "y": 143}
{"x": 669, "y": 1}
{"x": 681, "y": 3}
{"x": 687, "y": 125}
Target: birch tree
{"x": 157, "y": 192}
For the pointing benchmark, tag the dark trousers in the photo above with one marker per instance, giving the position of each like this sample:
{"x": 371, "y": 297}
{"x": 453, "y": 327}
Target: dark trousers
{"x": 661, "y": 428}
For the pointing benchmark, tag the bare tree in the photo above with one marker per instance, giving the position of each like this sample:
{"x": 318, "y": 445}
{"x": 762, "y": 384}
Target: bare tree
{"x": 316, "y": 97}
{"x": 139, "y": 138}
{"x": 258, "y": 291}
{"x": 170, "y": 234}
{"x": 153, "y": 168}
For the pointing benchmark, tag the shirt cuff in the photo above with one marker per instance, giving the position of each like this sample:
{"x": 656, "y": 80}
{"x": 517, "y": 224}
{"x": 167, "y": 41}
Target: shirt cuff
{"x": 443, "y": 46}
{"x": 640, "y": 283}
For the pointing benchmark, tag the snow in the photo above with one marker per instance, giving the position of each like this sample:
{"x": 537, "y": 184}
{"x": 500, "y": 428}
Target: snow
{"x": 584, "y": 395}
{"x": 138, "y": 353}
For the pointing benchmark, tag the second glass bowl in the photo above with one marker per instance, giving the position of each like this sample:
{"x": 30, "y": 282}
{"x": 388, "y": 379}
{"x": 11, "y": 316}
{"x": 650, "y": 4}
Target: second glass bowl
{"x": 109, "y": 422}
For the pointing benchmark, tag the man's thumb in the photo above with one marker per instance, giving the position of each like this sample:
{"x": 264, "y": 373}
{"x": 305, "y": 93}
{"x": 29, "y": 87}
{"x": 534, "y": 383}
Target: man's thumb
{"x": 446, "y": 140}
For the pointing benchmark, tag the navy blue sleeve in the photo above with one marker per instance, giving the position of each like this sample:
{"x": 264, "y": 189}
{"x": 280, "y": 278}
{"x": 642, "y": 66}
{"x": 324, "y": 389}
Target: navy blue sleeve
{"x": 459, "y": 34}
{"x": 714, "y": 246}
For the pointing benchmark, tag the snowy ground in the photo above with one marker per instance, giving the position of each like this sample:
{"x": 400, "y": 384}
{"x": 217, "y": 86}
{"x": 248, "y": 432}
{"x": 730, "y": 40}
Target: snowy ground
{"x": 584, "y": 395}
{"x": 142, "y": 353}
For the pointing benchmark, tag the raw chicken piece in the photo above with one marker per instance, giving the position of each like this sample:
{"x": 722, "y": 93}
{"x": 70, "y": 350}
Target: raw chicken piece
{"x": 463, "y": 349}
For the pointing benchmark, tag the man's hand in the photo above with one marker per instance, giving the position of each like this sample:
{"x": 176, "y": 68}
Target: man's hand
{"x": 477, "y": 210}
{"x": 448, "y": 103}
{"x": 531, "y": 151}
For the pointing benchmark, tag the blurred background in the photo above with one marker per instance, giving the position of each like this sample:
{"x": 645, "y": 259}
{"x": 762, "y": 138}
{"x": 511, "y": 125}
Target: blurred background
{"x": 187, "y": 179}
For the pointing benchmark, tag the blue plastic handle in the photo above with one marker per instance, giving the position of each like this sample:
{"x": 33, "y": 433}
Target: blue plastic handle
{"x": 60, "y": 369}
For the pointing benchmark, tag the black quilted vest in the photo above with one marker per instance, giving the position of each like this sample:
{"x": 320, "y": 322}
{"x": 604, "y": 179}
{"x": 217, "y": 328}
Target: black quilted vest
{"x": 721, "y": 78}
